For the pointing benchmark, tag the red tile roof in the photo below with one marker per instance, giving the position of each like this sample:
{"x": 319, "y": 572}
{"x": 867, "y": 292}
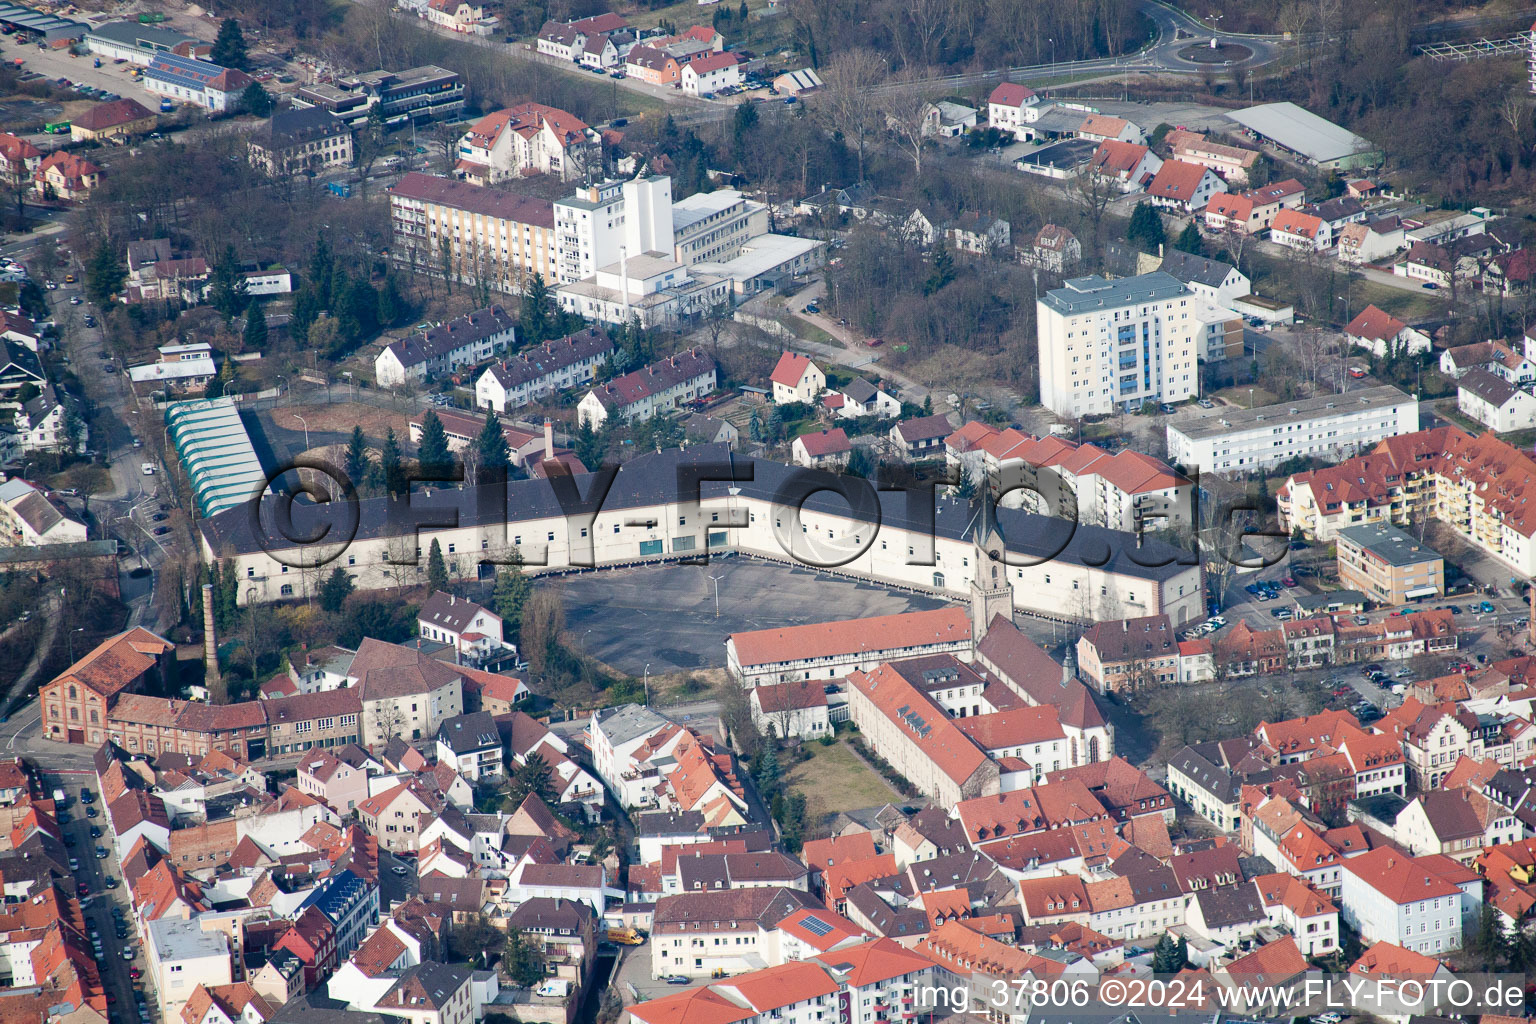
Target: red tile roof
{"x": 789, "y": 369}
{"x": 1375, "y": 325}
{"x": 1294, "y": 222}
{"x": 1010, "y": 94}
{"x": 1177, "y": 180}
{"x": 825, "y": 442}
{"x": 851, "y": 636}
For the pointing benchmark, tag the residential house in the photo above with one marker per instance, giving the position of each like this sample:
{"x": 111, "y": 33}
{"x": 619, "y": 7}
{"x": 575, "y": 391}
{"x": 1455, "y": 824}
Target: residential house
{"x": 472, "y": 745}
{"x": 1183, "y": 187}
{"x": 1458, "y": 823}
{"x": 1494, "y": 402}
{"x": 1298, "y": 230}
{"x": 822, "y": 449}
{"x": 1129, "y": 655}
{"x": 1010, "y": 106}
{"x": 530, "y": 138}
{"x": 30, "y": 518}
{"x": 394, "y": 816}
{"x": 861, "y": 398}
{"x": 64, "y": 175}
{"x": 472, "y": 631}
{"x": 1381, "y": 333}
{"x": 1233, "y": 163}
{"x": 796, "y": 379}
{"x": 947, "y": 120}
{"x": 1053, "y": 248}
{"x": 921, "y": 437}
{"x": 1216, "y": 280}
{"x": 342, "y": 786}
{"x": 1370, "y": 241}
{"x": 1130, "y": 166}
{"x": 653, "y": 66}
{"x": 18, "y": 159}
{"x": 460, "y": 16}
{"x": 979, "y": 234}
{"x": 709, "y": 75}
{"x": 538, "y": 372}
{"x": 462, "y": 341}
{"x": 650, "y": 390}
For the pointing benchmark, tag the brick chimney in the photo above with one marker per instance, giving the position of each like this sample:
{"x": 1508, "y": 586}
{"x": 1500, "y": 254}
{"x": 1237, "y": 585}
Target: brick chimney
{"x": 549, "y": 438}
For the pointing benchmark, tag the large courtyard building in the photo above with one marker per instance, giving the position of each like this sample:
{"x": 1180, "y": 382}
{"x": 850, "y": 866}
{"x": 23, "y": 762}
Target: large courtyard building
{"x": 645, "y": 516}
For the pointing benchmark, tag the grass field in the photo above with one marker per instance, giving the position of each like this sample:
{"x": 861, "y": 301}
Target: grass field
{"x": 837, "y": 778}
{"x": 1401, "y": 303}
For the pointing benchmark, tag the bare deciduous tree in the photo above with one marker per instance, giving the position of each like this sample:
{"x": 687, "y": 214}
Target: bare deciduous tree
{"x": 906, "y": 105}
{"x": 844, "y": 100}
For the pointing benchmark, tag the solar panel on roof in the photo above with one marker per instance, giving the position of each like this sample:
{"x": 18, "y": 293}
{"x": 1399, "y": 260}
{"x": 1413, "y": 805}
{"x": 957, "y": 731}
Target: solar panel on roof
{"x": 816, "y": 926}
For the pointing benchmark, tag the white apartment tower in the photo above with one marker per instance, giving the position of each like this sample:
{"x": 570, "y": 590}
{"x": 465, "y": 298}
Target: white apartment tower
{"x": 1107, "y": 345}
{"x": 600, "y": 224}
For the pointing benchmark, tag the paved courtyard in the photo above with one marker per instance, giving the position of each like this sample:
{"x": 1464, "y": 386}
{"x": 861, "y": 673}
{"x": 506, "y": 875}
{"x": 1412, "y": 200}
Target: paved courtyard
{"x": 664, "y": 616}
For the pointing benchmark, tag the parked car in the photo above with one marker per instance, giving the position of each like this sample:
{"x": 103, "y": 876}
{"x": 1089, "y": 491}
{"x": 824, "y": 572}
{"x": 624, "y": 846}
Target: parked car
{"x": 1485, "y": 606}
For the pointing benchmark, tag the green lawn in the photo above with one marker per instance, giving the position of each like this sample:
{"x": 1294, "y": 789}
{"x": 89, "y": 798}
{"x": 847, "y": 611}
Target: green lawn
{"x": 837, "y": 777}
{"x": 1401, "y": 303}
{"x": 805, "y": 330}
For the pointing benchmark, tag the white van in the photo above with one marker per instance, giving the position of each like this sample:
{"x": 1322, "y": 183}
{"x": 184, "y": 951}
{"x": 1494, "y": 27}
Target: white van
{"x": 148, "y": 468}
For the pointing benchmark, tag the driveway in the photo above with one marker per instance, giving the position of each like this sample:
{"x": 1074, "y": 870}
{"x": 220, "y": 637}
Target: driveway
{"x": 850, "y": 352}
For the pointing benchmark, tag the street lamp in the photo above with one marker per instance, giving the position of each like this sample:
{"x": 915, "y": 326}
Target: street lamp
{"x": 647, "y": 683}
{"x": 1053, "y": 57}
{"x": 302, "y": 420}
{"x": 1250, "y": 398}
{"x": 717, "y": 580}
{"x": 77, "y": 629}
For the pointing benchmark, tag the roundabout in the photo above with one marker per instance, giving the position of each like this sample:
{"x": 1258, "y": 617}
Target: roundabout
{"x": 1220, "y": 55}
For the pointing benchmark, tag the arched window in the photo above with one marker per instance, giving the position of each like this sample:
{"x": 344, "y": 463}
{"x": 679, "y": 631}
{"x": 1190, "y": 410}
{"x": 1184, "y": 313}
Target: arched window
{"x": 1074, "y": 751}
{"x": 1093, "y": 750}
{"x": 72, "y": 692}
{"x": 938, "y": 581}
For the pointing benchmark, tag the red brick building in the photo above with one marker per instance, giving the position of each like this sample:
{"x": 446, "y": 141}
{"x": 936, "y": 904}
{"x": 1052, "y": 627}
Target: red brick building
{"x": 76, "y": 704}
{"x": 151, "y": 725}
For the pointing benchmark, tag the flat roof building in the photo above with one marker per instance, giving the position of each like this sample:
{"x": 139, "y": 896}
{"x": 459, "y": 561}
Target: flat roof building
{"x": 1387, "y": 565}
{"x": 1235, "y": 440}
{"x": 1110, "y": 345}
{"x": 1302, "y": 132}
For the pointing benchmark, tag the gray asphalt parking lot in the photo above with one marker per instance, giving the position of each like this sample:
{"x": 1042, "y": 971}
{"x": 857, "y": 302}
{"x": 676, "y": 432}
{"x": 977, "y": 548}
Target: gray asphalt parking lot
{"x": 664, "y": 615}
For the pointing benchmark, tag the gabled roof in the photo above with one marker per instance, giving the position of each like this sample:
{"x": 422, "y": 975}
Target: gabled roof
{"x": 658, "y": 377}
{"x": 1294, "y": 222}
{"x": 790, "y": 368}
{"x": 1010, "y": 94}
{"x": 842, "y": 637}
{"x": 116, "y": 662}
{"x": 818, "y": 444}
{"x": 1177, "y": 181}
{"x": 1373, "y": 324}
